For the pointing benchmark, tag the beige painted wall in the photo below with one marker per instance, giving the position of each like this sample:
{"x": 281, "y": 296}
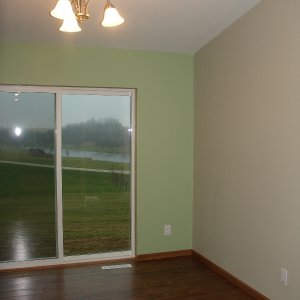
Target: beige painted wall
{"x": 247, "y": 149}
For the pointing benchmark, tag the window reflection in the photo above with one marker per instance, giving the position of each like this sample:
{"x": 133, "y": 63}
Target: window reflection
{"x": 19, "y": 240}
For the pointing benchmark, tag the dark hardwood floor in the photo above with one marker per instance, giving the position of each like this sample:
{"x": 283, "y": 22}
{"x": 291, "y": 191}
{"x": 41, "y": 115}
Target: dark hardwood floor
{"x": 176, "y": 278}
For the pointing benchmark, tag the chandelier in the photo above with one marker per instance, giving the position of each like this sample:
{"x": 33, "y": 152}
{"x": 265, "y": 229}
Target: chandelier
{"x": 74, "y": 11}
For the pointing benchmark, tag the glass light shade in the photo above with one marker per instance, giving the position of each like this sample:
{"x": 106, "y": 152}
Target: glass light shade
{"x": 70, "y": 24}
{"x": 62, "y": 10}
{"x": 111, "y": 17}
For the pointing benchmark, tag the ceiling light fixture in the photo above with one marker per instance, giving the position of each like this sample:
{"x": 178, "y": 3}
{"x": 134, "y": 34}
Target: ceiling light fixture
{"x": 72, "y": 11}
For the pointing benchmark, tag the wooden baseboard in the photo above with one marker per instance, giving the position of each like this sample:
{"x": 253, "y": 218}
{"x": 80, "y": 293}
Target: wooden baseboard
{"x": 162, "y": 255}
{"x": 240, "y": 284}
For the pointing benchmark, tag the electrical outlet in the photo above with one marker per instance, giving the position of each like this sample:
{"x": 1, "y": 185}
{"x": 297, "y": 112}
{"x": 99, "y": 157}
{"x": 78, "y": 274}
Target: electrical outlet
{"x": 167, "y": 230}
{"x": 283, "y": 276}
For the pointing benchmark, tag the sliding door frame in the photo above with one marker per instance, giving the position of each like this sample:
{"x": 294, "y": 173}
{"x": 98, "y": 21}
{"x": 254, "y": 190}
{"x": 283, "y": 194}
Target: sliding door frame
{"x": 61, "y": 259}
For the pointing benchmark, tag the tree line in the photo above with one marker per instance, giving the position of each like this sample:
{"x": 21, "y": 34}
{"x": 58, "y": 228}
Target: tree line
{"x": 108, "y": 133}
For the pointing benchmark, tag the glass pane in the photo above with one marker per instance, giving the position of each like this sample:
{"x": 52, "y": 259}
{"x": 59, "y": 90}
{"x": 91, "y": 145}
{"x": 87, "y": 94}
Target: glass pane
{"x": 96, "y": 158}
{"x": 27, "y": 176}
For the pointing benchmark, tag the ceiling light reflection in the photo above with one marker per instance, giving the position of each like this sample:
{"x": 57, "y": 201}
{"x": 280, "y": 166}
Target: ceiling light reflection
{"x": 20, "y": 242}
{"x": 18, "y": 131}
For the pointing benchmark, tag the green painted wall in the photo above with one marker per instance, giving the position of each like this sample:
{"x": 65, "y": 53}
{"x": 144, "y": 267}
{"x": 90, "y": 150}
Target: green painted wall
{"x": 164, "y": 83}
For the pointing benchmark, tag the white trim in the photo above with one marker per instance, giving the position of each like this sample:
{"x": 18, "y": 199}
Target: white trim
{"x": 67, "y": 260}
{"x": 60, "y": 259}
{"x": 133, "y": 172}
{"x": 102, "y": 256}
{"x": 68, "y": 90}
{"x": 29, "y": 89}
{"x": 58, "y": 172}
{"x": 29, "y": 264}
{"x": 96, "y": 91}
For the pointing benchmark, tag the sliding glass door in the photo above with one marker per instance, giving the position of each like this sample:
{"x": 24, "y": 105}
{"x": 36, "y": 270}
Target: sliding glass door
{"x": 27, "y": 176}
{"x": 66, "y": 175}
{"x": 96, "y": 160}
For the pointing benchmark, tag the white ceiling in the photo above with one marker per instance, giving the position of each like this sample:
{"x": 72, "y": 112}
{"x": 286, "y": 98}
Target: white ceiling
{"x": 159, "y": 25}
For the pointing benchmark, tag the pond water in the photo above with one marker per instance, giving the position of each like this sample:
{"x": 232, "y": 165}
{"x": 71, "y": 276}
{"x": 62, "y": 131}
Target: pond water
{"x": 114, "y": 157}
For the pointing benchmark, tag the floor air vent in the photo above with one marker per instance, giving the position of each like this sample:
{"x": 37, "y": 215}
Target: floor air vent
{"x": 113, "y": 267}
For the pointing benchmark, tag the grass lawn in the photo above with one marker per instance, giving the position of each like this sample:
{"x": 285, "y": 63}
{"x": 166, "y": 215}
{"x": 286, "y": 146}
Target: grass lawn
{"x": 96, "y": 212}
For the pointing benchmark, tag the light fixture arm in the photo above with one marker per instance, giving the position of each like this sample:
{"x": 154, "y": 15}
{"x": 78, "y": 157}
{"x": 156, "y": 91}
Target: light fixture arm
{"x": 80, "y": 7}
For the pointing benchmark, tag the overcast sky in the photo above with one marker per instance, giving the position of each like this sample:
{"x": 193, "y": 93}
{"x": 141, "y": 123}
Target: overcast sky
{"x": 37, "y": 110}
{"x": 80, "y": 108}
